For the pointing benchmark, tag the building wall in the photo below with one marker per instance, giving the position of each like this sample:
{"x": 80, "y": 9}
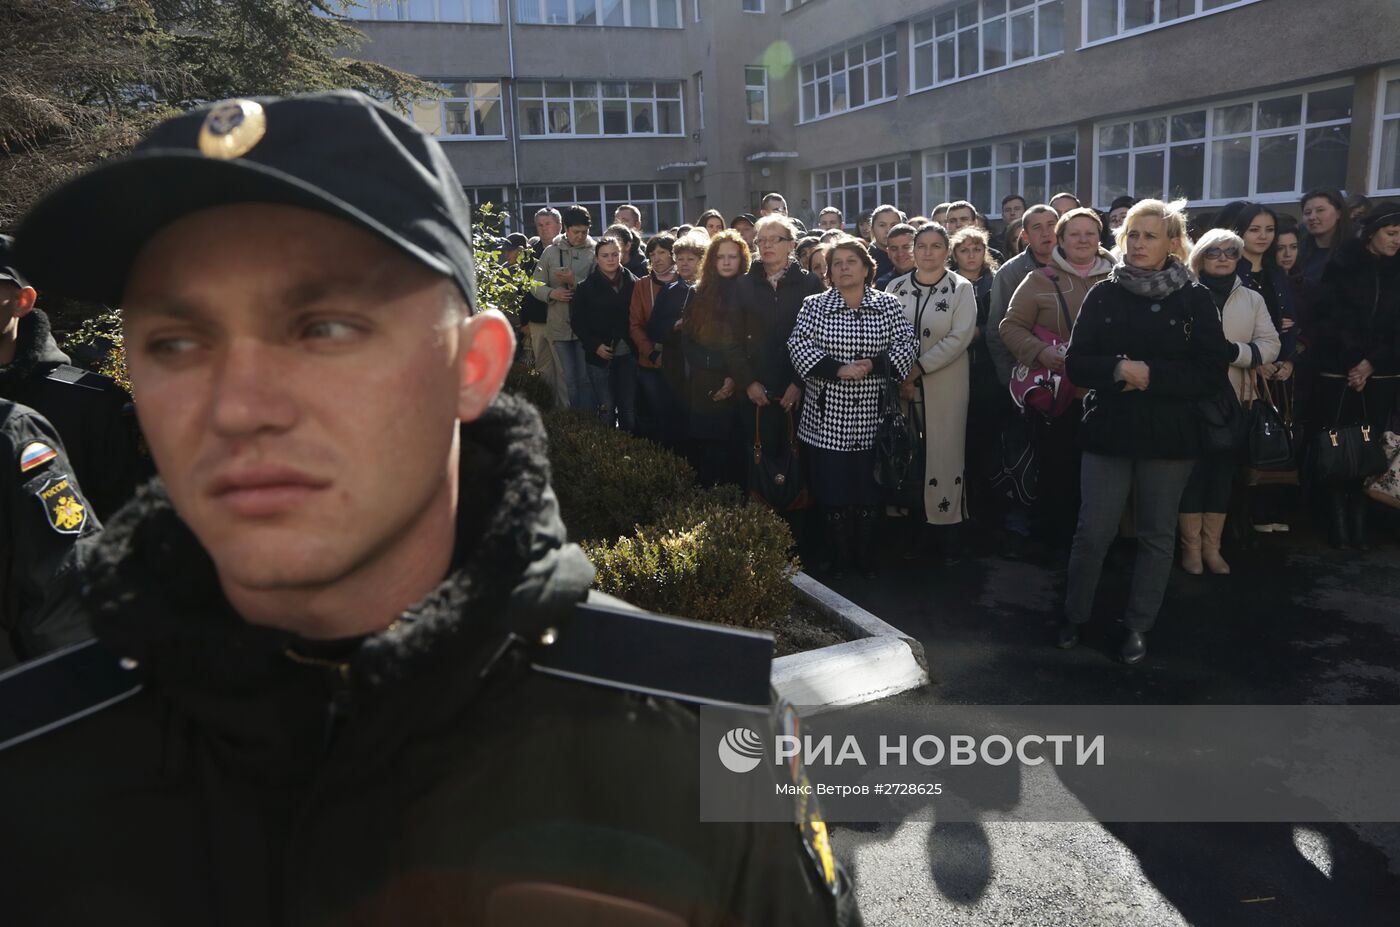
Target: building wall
{"x": 1259, "y": 48}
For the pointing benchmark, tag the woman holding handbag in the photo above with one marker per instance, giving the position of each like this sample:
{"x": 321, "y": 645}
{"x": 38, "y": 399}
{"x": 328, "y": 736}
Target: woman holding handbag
{"x": 1352, "y": 345}
{"x": 1149, "y": 346}
{"x": 1244, "y": 318}
{"x": 847, "y": 343}
{"x": 941, "y": 309}
{"x": 1036, "y": 330}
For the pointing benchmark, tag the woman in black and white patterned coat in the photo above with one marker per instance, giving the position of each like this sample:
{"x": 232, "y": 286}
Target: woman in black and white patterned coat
{"x": 846, "y": 342}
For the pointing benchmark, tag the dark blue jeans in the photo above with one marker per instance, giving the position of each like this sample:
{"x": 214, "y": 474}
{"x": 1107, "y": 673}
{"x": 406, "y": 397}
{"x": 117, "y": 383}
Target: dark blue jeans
{"x": 615, "y": 391}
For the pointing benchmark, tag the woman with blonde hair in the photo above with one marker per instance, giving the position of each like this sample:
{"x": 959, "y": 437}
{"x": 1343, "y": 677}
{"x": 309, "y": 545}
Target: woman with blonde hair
{"x": 1149, "y": 346}
{"x": 845, "y": 344}
{"x": 707, "y": 339}
{"x": 1244, "y": 318}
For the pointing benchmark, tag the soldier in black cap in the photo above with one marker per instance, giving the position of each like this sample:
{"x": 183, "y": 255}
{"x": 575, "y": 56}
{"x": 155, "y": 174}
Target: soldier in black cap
{"x": 358, "y": 682}
{"x": 43, "y": 512}
{"x": 90, "y": 411}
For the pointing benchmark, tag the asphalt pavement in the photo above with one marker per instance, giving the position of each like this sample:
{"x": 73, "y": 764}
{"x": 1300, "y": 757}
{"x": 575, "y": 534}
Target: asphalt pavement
{"x": 1295, "y": 623}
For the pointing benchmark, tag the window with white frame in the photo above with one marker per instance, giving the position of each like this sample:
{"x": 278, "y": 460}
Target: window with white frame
{"x": 595, "y": 109}
{"x": 700, "y": 99}
{"x": 756, "y": 93}
{"x": 752, "y": 6}
{"x": 1034, "y": 166}
{"x": 854, "y": 76}
{"x": 659, "y": 203}
{"x": 1387, "y": 179}
{"x": 654, "y": 14}
{"x": 1109, "y": 19}
{"x": 861, "y": 187}
{"x": 435, "y": 11}
{"x": 1271, "y": 148}
{"x": 975, "y": 37}
{"x": 468, "y": 109}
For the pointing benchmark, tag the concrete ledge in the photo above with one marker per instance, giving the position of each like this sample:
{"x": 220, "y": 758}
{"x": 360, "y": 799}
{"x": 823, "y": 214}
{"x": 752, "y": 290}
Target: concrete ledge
{"x": 850, "y": 617}
{"x": 848, "y": 674}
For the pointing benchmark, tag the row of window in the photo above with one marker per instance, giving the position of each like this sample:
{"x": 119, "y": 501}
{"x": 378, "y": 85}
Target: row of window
{"x": 659, "y": 203}
{"x": 579, "y": 108}
{"x": 1271, "y": 148}
{"x": 963, "y": 40}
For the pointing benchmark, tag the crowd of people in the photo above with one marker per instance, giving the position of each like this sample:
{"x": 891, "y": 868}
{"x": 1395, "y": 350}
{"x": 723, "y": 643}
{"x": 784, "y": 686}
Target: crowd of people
{"x": 1063, "y": 348}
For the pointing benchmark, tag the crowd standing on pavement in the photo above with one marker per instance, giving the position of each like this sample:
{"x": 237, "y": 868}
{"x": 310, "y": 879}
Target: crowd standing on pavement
{"x": 1068, "y": 366}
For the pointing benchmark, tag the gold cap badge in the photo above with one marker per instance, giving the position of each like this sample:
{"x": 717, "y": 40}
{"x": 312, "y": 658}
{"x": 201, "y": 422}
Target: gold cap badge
{"x": 232, "y": 128}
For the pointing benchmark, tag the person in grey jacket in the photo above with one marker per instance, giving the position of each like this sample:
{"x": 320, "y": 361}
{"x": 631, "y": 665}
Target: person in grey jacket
{"x": 562, "y": 267}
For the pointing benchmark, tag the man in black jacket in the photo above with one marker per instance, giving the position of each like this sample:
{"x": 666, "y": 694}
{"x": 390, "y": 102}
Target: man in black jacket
{"x": 358, "y": 686}
{"x": 43, "y": 513}
{"x": 91, "y": 412}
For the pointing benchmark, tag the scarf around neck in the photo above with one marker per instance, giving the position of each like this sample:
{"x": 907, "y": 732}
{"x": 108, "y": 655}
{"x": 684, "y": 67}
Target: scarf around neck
{"x": 1153, "y": 284}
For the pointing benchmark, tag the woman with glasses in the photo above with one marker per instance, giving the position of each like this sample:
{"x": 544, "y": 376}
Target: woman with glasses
{"x": 1244, "y": 318}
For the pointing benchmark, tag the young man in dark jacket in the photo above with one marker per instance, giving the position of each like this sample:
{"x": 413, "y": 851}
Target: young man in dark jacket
{"x": 91, "y": 412}
{"x": 352, "y": 687}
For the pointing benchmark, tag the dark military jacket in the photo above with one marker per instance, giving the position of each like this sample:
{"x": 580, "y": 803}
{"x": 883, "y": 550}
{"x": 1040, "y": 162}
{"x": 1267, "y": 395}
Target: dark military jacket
{"x": 92, "y": 413}
{"x": 430, "y": 773}
{"x": 43, "y": 512}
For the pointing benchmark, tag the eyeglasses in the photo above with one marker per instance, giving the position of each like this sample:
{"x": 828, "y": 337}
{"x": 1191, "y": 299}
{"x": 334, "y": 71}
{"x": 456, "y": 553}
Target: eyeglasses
{"x": 1216, "y": 254}
{"x": 770, "y": 241}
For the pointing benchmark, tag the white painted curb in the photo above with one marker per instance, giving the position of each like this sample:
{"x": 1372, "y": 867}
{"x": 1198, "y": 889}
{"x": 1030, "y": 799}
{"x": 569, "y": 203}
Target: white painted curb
{"x": 882, "y": 661}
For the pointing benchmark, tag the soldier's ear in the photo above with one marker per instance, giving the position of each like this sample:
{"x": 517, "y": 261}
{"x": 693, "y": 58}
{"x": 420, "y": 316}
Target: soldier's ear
{"x": 24, "y": 302}
{"x": 488, "y": 347}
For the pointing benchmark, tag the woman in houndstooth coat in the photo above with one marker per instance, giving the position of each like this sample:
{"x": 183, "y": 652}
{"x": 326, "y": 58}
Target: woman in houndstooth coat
{"x": 847, "y": 340}
{"x": 942, "y": 308}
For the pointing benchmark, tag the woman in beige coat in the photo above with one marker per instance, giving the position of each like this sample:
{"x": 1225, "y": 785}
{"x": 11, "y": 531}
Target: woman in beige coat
{"x": 1244, "y": 316}
{"x": 1049, "y": 297}
{"x": 942, "y": 308}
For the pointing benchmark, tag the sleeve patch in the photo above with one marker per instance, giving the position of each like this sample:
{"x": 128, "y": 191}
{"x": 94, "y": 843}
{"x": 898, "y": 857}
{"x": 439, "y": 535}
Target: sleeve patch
{"x": 65, "y": 509}
{"x": 34, "y": 455}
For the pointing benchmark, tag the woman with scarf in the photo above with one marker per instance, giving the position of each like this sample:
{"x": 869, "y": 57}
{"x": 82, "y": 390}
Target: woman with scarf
{"x": 1352, "y": 346}
{"x": 1048, "y": 300}
{"x": 656, "y": 332}
{"x": 848, "y": 341}
{"x": 1244, "y": 319}
{"x": 1149, "y": 346}
{"x": 707, "y": 339}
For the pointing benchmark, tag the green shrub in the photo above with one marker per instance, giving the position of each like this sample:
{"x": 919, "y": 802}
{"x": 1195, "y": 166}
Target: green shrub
{"x": 710, "y": 561}
{"x": 526, "y": 383}
{"x": 608, "y": 481}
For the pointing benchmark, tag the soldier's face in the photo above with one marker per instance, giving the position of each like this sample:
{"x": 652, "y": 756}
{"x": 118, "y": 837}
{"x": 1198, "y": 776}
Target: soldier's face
{"x": 300, "y": 383}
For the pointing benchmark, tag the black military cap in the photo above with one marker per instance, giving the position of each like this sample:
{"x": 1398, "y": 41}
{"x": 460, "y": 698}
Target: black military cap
{"x": 748, "y": 217}
{"x": 8, "y": 272}
{"x": 338, "y": 153}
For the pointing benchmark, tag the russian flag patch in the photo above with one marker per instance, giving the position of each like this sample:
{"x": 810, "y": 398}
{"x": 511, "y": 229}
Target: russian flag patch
{"x": 35, "y": 455}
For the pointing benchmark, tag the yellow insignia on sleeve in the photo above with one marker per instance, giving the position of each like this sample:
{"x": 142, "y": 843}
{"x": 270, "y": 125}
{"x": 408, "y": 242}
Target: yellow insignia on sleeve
{"x": 232, "y": 128}
{"x": 64, "y": 507}
{"x": 810, "y": 824}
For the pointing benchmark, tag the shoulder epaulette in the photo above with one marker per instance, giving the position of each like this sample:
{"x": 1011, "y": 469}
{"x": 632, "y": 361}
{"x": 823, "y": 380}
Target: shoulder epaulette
{"x": 77, "y": 376}
{"x": 691, "y": 661}
{"x": 60, "y": 688}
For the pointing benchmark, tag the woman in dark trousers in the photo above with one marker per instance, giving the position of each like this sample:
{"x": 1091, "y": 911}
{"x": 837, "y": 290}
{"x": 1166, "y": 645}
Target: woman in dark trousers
{"x": 1352, "y": 347}
{"x": 707, "y": 339}
{"x": 971, "y": 258}
{"x": 599, "y": 314}
{"x": 1148, "y": 345}
{"x": 658, "y": 339}
{"x": 847, "y": 341}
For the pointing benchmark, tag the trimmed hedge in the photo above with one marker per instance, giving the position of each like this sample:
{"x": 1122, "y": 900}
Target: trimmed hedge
{"x": 526, "y": 383}
{"x": 657, "y": 539}
{"x": 711, "y": 561}
{"x": 607, "y": 481}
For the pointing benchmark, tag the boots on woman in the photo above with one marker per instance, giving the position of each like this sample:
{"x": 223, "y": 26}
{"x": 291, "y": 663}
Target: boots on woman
{"x": 1212, "y": 529}
{"x": 1188, "y": 524}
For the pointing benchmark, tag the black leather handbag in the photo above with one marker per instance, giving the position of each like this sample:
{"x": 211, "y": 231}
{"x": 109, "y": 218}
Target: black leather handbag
{"x": 1223, "y": 424}
{"x": 776, "y": 477}
{"x": 899, "y": 450}
{"x": 1348, "y": 452}
{"x": 1270, "y": 443}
